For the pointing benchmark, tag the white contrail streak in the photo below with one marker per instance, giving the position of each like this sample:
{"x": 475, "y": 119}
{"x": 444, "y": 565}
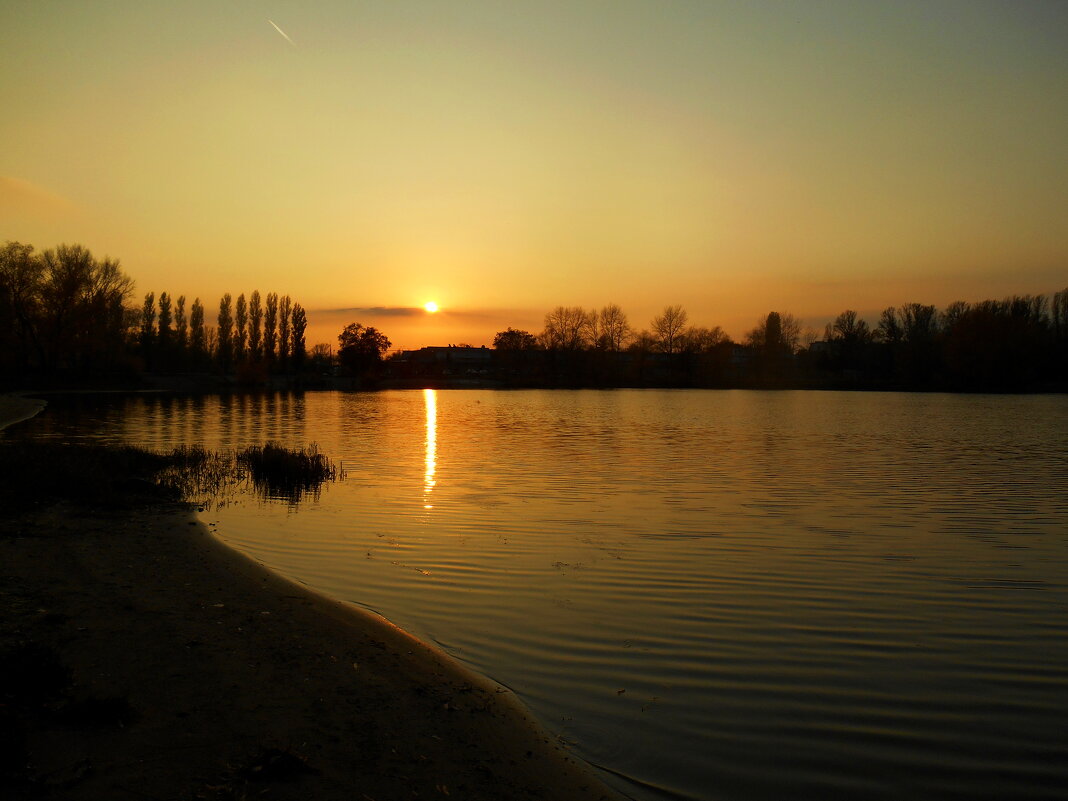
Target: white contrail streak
{"x": 282, "y": 32}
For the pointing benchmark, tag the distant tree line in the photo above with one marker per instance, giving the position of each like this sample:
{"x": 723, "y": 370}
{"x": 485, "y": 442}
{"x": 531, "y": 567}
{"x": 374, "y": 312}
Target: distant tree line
{"x": 600, "y": 347}
{"x": 1016, "y": 344}
{"x": 65, "y": 311}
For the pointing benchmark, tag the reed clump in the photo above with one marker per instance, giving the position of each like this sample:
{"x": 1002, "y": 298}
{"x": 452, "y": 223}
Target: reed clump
{"x": 287, "y": 473}
{"x": 38, "y": 473}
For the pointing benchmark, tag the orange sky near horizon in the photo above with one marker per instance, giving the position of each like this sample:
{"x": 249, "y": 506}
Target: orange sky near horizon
{"x": 731, "y": 157}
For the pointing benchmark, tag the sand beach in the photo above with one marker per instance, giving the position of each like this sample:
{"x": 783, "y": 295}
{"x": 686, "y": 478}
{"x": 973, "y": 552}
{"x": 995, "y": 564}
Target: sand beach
{"x": 144, "y": 659}
{"x": 16, "y": 408}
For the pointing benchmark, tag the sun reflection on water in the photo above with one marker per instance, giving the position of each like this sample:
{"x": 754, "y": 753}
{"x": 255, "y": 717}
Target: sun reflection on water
{"x": 430, "y": 397}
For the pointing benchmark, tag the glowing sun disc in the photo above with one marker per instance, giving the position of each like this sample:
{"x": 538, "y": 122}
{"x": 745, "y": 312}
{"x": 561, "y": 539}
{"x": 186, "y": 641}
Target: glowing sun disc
{"x": 430, "y": 306}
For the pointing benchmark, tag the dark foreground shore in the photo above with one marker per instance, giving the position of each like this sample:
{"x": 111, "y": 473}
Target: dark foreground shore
{"x": 143, "y": 659}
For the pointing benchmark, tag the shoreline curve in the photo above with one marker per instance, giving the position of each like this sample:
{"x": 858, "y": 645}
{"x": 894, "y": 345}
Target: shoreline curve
{"x": 203, "y": 674}
{"x": 15, "y": 408}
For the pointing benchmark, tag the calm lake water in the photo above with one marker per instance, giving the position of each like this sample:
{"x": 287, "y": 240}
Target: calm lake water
{"x": 710, "y": 595}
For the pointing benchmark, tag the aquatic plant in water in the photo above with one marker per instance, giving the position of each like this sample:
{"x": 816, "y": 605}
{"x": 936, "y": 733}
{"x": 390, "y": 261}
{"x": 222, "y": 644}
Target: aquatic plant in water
{"x": 39, "y": 473}
{"x": 287, "y": 473}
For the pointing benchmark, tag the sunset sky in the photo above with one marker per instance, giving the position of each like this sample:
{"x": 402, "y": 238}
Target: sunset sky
{"x": 505, "y": 158}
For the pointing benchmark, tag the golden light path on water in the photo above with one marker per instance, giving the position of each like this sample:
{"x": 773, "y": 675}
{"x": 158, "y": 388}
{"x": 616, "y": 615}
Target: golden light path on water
{"x": 430, "y": 399}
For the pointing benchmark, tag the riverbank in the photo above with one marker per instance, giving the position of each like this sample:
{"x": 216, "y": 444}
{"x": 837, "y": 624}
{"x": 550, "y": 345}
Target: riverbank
{"x": 141, "y": 658}
{"x": 16, "y": 408}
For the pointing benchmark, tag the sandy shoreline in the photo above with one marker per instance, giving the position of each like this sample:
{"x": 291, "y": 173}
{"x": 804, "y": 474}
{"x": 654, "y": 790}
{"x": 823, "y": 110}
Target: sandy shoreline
{"x": 16, "y": 408}
{"x": 183, "y": 670}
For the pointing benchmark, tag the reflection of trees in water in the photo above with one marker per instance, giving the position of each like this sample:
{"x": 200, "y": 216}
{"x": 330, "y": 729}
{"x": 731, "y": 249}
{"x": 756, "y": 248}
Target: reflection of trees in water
{"x": 242, "y": 418}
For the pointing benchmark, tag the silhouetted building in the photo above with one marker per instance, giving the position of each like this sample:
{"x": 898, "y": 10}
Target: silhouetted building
{"x": 448, "y": 360}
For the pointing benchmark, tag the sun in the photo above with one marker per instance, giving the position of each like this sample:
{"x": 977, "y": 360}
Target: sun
{"x": 430, "y": 306}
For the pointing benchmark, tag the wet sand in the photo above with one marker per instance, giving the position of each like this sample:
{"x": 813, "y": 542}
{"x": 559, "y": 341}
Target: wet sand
{"x": 164, "y": 665}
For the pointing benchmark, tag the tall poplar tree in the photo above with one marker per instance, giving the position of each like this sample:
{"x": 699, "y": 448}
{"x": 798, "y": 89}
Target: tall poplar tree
{"x": 163, "y": 327}
{"x": 300, "y": 325}
{"x": 270, "y": 327}
{"x": 241, "y": 329}
{"x": 181, "y": 326}
{"x": 225, "y": 332}
{"x": 285, "y": 312}
{"x": 197, "y": 337}
{"x": 255, "y": 326}
{"x": 147, "y": 334}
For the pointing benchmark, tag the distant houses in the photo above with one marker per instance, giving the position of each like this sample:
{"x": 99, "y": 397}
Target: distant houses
{"x": 448, "y": 361}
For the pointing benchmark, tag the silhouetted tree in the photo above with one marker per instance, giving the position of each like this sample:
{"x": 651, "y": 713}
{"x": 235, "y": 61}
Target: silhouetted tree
{"x": 1059, "y": 331}
{"x": 772, "y": 345}
{"x": 791, "y": 332}
{"x": 517, "y": 357}
{"x": 917, "y": 357}
{"x": 996, "y": 344}
{"x": 848, "y": 339}
{"x": 644, "y": 341}
{"x": 225, "y": 332}
{"x": 668, "y": 327}
{"x": 300, "y": 325}
{"x": 255, "y": 326}
{"x": 919, "y": 323}
{"x": 700, "y": 359}
{"x": 20, "y": 284}
{"x": 240, "y": 328}
{"x": 321, "y": 358}
{"x": 954, "y": 313}
{"x": 270, "y": 328}
{"x": 88, "y": 296}
{"x": 65, "y": 309}
{"x": 696, "y": 339}
{"x": 773, "y": 333}
{"x": 567, "y": 328}
{"x": 198, "y": 345}
{"x": 67, "y": 275}
{"x": 515, "y": 339}
{"x": 847, "y": 327}
{"x": 613, "y": 330}
{"x": 645, "y": 365}
{"x": 1058, "y": 310}
{"x": 285, "y": 310}
{"x": 163, "y": 329}
{"x": 9, "y": 345}
{"x": 211, "y": 344}
{"x": 757, "y": 336}
{"x": 147, "y": 334}
{"x": 777, "y": 334}
{"x": 887, "y": 337}
{"x": 181, "y": 327}
{"x": 889, "y": 328}
{"x": 361, "y": 348}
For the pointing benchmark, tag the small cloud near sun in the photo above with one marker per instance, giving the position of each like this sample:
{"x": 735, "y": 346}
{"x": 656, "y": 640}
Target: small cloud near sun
{"x": 378, "y": 311}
